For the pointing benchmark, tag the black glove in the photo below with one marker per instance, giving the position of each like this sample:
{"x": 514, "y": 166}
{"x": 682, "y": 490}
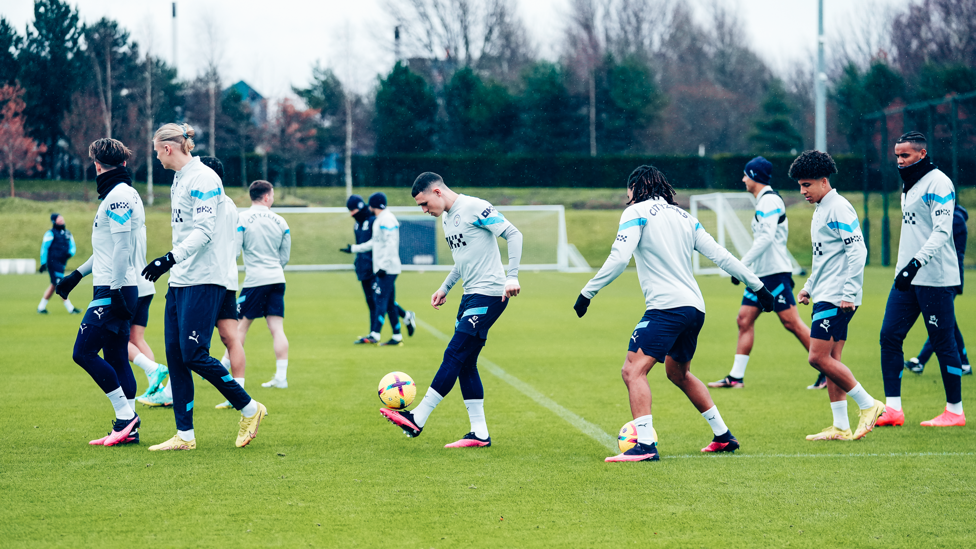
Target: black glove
{"x": 381, "y": 274}
{"x": 67, "y": 284}
{"x": 904, "y": 279}
{"x": 766, "y": 299}
{"x": 735, "y": 281}
{"x": 158, "y": 267}
{"x": 347, "y": 249}
{"x": 118, "y": 305}
{"x": 42, "y": 268}
{"x": 581, "y": 304}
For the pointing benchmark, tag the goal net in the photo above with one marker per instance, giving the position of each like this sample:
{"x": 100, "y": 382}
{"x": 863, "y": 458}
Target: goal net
{"x": 319, "y": 233}
{"x": 728, "y": 218}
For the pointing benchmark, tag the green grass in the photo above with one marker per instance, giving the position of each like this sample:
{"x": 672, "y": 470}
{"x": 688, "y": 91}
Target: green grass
{"x": 327, "y": 471}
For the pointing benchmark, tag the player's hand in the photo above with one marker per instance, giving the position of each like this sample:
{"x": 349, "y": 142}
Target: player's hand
{"x": 439, "y": 298}
{"x": 803, "y": 297}
{"x": 158, "y": 267}
{"x": 42, "y": 268}
{"x": 347, "y": 249}
{"x": 119, "y": 306}
{"x": 67, "y": 284}
{"x": 903, "y": 281}
{"x": 512, "y": 289}
{"x": 581, "y": 305}
{"x": 766, "y": 299}
{"x": 735, "y": 281}
{"x": 381, "y": 274}
{"x": 847, "y": 306}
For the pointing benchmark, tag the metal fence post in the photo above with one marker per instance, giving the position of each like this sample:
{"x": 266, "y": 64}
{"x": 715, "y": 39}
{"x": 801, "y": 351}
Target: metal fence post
{"x": 885, "y": 222}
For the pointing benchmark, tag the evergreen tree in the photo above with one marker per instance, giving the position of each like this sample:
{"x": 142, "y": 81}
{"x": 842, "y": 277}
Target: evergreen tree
{"x": 326, "y": 94}
{"x": 405, "y": 111}
{"x": 628, "y": 103}
{"x": 552, "y": 121}
{"x": 482, "y": 117}
{"x": 773, "y": 132}
{"x": 858, "y": 95}
{"x": 10, "y": 43}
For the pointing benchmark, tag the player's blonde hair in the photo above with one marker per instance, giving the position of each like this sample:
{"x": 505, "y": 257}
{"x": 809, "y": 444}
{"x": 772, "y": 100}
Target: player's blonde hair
{"x": 181, "y": 134}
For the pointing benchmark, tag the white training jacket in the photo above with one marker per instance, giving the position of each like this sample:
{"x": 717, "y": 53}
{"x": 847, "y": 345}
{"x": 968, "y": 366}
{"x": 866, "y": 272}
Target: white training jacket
{"x": 266, "y": 243}
{"x": 472, "y": 227}
{"x": 196, "y": 201}
{"x": 663, "y": 237}
{"x": 139, "y": 261}
{"x": 227, "y": 242}
{"x": 117, "y": 223}
{"x": 839, "y": 254}
{"x": 926, "y": 231}
{"x": 770, "y": 229}
{"x": 385, "y": 244}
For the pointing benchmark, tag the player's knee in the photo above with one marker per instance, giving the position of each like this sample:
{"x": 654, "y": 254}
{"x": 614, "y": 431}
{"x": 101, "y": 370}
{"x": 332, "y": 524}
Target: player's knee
{"x": 817, "y": 360}
{"x": 743, "y": 322}
{"x": 677, "y": 377}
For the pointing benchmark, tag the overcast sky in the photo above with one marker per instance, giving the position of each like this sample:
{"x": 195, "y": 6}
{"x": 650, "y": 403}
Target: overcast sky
{"x": 273, "y": 44}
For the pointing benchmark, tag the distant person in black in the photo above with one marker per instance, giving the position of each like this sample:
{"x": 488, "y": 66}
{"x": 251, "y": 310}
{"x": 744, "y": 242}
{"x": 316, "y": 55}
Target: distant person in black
{"x": 959, "y": 235}
{"x": 363, "y": 229}
{"x": 56, "y": 248}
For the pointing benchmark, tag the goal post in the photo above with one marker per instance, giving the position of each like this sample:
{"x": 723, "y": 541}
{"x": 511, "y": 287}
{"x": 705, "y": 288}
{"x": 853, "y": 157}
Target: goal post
{"x": 728, "y": 218}
{"x": 318, "y": 233}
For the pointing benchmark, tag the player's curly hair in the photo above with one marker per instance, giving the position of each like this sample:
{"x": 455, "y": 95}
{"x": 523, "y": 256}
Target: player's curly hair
{"x": 648, "y": 182}
{"x": 812, "y": 165}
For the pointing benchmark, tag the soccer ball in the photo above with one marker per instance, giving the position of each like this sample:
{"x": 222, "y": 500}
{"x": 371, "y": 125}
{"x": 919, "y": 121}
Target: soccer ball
{"x": 627, "y": 438}
{"x": 397, "y": 390}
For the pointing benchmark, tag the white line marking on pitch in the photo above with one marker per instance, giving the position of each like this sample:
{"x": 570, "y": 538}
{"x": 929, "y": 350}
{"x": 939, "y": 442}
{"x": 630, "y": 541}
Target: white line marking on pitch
{"x": 800, "y": 456}
{"x": 586, "y": 427}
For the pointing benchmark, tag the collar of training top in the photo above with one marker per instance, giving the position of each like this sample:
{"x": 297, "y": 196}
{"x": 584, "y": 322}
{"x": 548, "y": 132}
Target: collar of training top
{"x": 108, "y": 180}
{"x": 911, "y": 174}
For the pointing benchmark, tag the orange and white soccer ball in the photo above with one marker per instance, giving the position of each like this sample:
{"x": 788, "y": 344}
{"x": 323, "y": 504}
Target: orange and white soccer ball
{"x": 627, "y": 438}
{"x": 397, "y": 390}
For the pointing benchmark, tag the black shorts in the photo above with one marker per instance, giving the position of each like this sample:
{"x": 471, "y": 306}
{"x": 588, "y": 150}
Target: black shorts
{"x": 56, "y": 273}
{"x": 830, "y": 322}
{"x": 99, "y": 311}
{"x": 780, "y": 285}
{"x": 228, "y": 309}
{"x": 668, "y": 332}
{"x": 140, "y": 316}
{"x": 268, "y": 300}
{"x": 477, "y": 313}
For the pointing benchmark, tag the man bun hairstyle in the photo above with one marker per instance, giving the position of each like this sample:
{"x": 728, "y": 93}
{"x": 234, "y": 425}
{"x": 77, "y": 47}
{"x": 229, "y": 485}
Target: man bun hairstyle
{"x": 812, "y": 165}
{"x": 258, "y": 189}
{"x": 424, "y": 182}
{"x": 648, "y": 182}
{"x": 180, "y": 134}
{"x": 109, "y": 152}
{"x": 214, "y": 164}
{"x": 917, "y": 139}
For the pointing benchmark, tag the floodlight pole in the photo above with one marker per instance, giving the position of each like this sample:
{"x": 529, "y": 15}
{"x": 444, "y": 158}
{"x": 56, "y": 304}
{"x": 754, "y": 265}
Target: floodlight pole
{"x": 175, "y": 62}
{"x": 821, "y": 86}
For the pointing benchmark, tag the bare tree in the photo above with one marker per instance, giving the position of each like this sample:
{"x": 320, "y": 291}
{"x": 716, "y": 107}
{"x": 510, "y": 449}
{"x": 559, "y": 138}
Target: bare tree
{"x": 863, "y": 37}
{"x": 585, "y": 48}
{"x": 81, "y": 127}
{"x": 211, "y": 38}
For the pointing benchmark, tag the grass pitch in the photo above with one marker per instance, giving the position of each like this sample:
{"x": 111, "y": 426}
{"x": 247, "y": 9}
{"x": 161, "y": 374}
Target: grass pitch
{"x": 327, "y": 471}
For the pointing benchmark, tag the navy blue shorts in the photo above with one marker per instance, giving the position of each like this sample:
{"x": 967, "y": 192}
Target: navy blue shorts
{"x": 668, "y": 332}
{"x": 228, "y": 309}
{"x": 99, "y": 311}
{"x": 780, "y": 285}
{"x": 268, "y": 300}
{"x": 140, "y": 316}
{"x": 55, "y": 274}
{"x": 478, "y": 313}
{"x": 830, "y": 322}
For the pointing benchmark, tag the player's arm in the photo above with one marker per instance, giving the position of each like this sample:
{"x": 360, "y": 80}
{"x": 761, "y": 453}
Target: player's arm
{"x": 368, "y": 245}
{"x": 45, "y": 246}
{"x": 628, "y": 236}
{"x": 856, "y": 252}
{"x": 284, "y": 250}
{"x": 205, "y": 196}
{"x": 706, "y": 245}
{"x": 942, "y": 204}
{"x": 120, "y": 225}
{"x": 768, "y": 211}
{"x": 440, "y": 296}
{"x": 69, "y": 282}
{"x": 72, "y": 249}
{"x": 492, "y": 220}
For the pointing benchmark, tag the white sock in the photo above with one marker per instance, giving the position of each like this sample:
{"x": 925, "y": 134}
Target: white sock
{"x": 739, "y": 366}
{"x": 121, "y": 404}
{"x": 476, "y": 413}
{"x": 132, "y": 404}
{"x": 839, "y": 409}
{"x": 954, "y": 408}
{"x": 714, "y": 420}
{"x": 426, "y": 406}
{"x": 861, "y": 397}
{"x": 168, "y": 391}
{"x": 186, "y": 435}
{"x": 893, "y": 403}
{"x": 645, "y": 429}
{"x": 240, "y": 381}
{"x": 375, "y": 335}
{"x": 68, "y": 306}
{"x": 281, "y": 369}
{"x": 42, "y": 305}
{"x": 226, "y": 361}
{"x": 250, "y": 408}
{"x": 147, "y": 365}
{"x": 397, "y": 337}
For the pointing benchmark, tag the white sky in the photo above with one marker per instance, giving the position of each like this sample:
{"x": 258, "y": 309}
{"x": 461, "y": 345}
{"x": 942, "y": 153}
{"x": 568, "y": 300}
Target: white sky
{"x": 273, "y": 44}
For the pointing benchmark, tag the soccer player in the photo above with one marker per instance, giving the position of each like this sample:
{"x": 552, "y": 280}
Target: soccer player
{"x": 266, "y": 244}
{"x": 57, "y": 247}
{"x": 362, "y": 230}
{"x": 770, "y": 260}
{"x": 385, "y": 245}
{"x": 196, "y": 289}
{"x": 664, "y": 238}
{"x": 928, "y": 273}
{"x": 140, "y": 353}
{"x": 471, "y": 227}
{"x": 105, "y": 326}
{"x": 835, "y": 287}
{"x": 960, "y": 234}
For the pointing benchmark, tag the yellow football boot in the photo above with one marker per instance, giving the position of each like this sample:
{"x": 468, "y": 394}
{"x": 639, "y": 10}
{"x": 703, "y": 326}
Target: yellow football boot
{"x": 249, "y": 426}
{"x": 868, "y": 418}
{"x": 832, "y": 433}
{"x": 175, "y": 443}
